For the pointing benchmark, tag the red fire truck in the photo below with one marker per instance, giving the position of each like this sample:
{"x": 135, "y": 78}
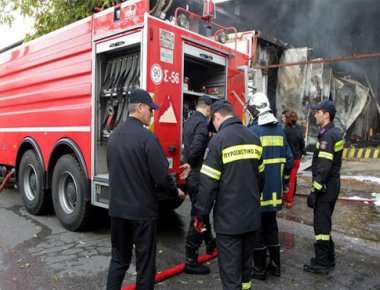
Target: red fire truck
{"x": 62, "y": 94}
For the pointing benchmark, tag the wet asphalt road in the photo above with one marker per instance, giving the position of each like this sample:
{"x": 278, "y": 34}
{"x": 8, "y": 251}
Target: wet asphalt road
{"x": 36, "y": 253}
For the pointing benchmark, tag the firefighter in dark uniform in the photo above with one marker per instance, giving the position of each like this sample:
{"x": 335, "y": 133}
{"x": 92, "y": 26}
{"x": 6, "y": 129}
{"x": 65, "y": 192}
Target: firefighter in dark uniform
{"x": 138, "y": 169}
{"x": 327, "y": 161}
{"x": 196, "y": 137}
{"x": 230, "y": 183}
{"x": 277, "y": 158}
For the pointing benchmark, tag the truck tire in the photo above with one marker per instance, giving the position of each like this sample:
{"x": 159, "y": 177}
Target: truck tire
{"x": 31, "y": 184}
{"x": 69, "y": 189}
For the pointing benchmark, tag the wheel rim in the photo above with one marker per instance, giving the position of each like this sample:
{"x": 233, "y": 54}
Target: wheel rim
{"x": 30, "y": 182}
{"x": 67, "y": 192}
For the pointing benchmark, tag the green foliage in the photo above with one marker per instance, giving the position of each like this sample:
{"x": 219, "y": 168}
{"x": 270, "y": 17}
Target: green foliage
{"x": 50, "y": 15}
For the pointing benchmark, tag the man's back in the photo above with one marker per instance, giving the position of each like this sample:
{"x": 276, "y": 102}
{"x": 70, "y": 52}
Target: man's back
{"x": 136, "y": 165}
{"x": 237, "y": 207}
{"x": 195, "y": 139}
{"x": 276, "y": 156}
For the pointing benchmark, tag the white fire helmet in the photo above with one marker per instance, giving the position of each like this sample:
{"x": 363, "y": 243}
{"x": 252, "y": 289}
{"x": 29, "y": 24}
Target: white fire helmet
{"x": 259, "y": 103}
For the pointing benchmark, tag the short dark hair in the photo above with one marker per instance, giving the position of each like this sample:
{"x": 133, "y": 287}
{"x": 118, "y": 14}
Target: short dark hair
{"x": 226, "y": 111}
{"x": 221, "y": 104}
{"x": 202, "y": 103}
{"x": 284, "y": 112}
{"x": 204, "y": 100}
{"x": 132, "y": 108}
{"x": 331, "y": 115}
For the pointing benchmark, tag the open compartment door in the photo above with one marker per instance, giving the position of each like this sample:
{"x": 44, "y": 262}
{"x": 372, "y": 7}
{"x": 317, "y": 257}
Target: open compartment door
{"x": 117, "y": 69}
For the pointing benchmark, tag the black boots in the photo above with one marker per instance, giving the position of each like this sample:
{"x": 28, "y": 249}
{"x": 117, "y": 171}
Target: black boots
{"x": 331, "y": 254}
{"x": 274, "y": 267}
{"x": 259, "y": 269}
{"x": 316, "y": 268}
{"x": 192, "y": 266}
{"x": 324, "y": 258}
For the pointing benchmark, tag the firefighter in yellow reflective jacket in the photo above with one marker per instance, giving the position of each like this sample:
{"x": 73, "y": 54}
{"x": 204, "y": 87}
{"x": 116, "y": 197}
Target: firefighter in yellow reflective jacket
{"x": 327, "y": 161}
{"x": 277, "y": 158}
{"x": 230, "y": 183}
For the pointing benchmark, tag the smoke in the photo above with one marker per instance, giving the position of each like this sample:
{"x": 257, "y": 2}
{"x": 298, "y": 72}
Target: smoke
{"x": 330, "y": 28}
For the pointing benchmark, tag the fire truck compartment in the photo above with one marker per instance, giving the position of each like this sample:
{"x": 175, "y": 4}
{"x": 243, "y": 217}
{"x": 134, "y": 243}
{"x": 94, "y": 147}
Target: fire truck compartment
{"x": 205, "y": 73}
{"x": 202, "y": 76}
{"x": 118, "y": 69}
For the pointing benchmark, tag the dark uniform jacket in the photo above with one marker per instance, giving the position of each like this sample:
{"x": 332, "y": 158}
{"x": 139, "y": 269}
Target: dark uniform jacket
{"x": 230, "y": 177}
{"x": 137, "y": 170}
{"x": 195, "y": 139}
{"x": 327, "y": 161}
{"x": 277, "y": 157}
{"x": 295, "y": 137}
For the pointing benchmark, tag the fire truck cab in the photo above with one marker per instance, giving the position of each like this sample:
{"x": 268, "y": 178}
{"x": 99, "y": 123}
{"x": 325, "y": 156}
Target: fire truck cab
{"x": 61, "y": 96}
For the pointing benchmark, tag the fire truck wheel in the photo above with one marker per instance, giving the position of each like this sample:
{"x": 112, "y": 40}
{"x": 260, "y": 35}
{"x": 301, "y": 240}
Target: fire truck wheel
{"x": 30, "y": 182}
{"x": 69, "y": 188}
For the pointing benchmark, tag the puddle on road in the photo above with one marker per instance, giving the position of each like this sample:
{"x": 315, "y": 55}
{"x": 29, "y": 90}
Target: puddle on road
{"x": 358, "y": 220}
{"x": 351, "y": 218}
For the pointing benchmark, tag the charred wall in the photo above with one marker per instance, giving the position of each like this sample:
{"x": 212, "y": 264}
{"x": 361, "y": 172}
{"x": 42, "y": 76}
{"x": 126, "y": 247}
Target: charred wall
{"x": 330, "y": 28}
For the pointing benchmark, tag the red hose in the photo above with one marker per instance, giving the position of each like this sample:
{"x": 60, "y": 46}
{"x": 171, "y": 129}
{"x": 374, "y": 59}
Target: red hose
{"x": 175, "y": 270}
{"x": 6, "y": 179}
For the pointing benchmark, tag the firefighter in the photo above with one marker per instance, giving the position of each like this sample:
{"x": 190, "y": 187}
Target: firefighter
{"x": 196, "y": 137}
{"x": 327, "y": 161}
{"x": 137, "y": 169}
{"x": 232, "y": 155}
{"x": 277, "y": 157}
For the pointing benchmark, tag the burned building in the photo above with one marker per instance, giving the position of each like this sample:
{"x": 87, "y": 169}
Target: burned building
{"x": 327, "y": 30}
{"x": 314, "y": 29}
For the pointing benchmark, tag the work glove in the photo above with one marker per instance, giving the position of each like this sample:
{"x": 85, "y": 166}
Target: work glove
{"x": 198, "y": 224}
{"x": 312, "y": 199}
